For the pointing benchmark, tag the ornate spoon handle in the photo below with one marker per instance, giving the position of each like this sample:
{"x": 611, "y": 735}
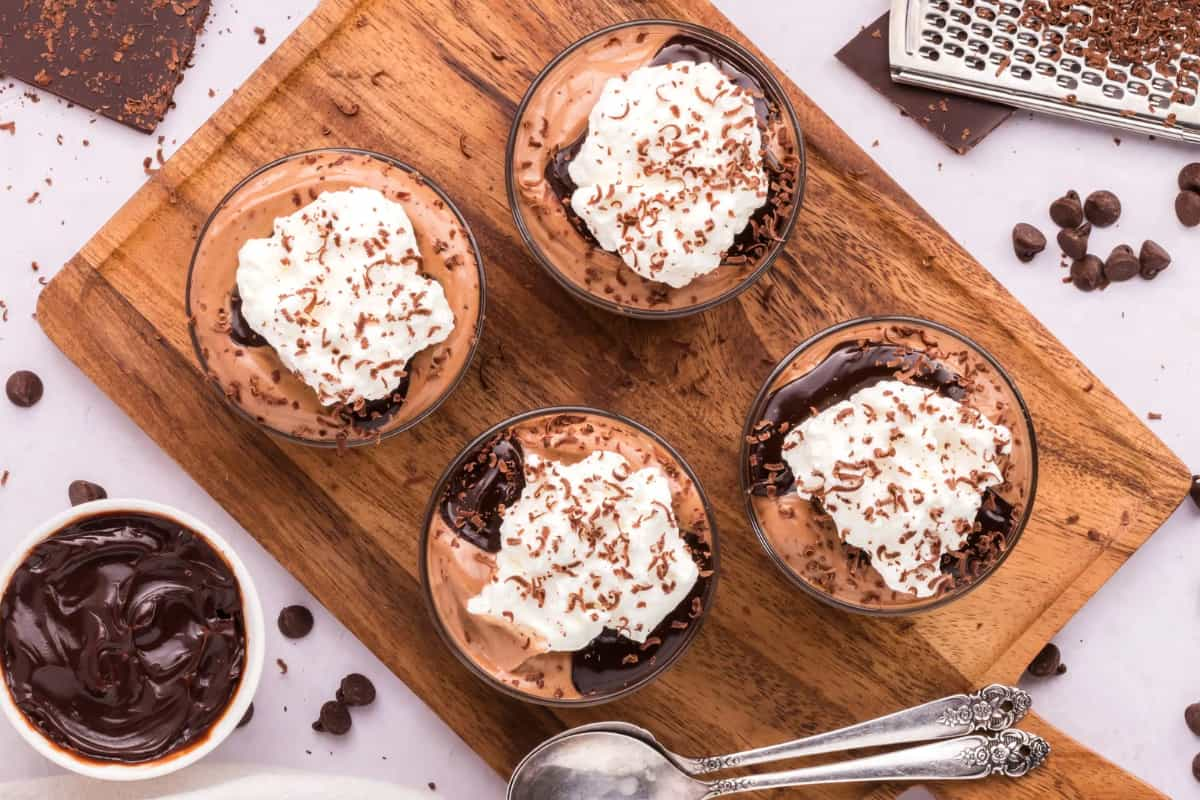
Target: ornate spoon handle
{"x": 991, "y": 710}
{"x": 1012, "y": 753}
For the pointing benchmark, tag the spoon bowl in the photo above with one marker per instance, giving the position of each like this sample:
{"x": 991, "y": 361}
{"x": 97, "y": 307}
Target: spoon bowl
{"x": 601, "y": 764}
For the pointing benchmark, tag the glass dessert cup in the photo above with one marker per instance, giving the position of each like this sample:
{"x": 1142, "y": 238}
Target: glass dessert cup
{"x": 453, "y": 569}
{"x": 235, "y": 708}
{"x": 249, "y": 373}
{"x": 553, "y": 116}
{"x": 802, "y": 539}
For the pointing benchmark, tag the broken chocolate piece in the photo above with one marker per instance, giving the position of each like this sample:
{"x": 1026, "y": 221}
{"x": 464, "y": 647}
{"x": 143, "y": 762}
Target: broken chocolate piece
{"x": 122, "y": 60}
{"x": 80, "y": 492}
{"x": 959, "y": 122}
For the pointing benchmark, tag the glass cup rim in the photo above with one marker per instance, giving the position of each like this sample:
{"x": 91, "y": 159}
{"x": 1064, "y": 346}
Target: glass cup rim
{"x": 753, "y": 416}
{"x": 479, "y": 323}
{"x": 773, "y": 85}
{"x": 431, "y": 510}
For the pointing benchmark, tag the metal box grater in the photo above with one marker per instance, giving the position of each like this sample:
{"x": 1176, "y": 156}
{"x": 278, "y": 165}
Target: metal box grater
{"x": 981, "y": 48}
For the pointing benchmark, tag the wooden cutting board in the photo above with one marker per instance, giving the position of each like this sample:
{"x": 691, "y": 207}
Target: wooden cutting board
{"x": 770, "y": 664}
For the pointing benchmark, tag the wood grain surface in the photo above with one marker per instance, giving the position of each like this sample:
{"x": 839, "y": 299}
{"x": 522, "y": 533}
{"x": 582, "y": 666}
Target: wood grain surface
{"x": 770, "y": 664}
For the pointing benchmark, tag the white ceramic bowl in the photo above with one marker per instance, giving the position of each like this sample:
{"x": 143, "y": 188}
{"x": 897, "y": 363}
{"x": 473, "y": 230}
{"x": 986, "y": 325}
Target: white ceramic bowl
{"x": 255, "y": 650}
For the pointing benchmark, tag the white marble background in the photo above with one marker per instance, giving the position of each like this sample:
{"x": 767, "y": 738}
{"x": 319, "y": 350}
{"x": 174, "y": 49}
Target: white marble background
{"x": 1132, "y": 651}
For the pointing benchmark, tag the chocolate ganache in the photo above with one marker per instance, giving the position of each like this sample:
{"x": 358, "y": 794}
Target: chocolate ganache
{"x": 123, "y": 637}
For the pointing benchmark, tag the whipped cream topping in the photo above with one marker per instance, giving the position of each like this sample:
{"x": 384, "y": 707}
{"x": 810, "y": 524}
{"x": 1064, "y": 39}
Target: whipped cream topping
{"x": 671, "y": 170}
{"x": 337, "y": 291}
{"x": 588, "y": 546}
{"x": 901, "y": 470}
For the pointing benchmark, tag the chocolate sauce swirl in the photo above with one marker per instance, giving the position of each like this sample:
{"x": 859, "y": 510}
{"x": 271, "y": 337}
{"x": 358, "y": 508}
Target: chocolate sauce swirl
{"x": 486, "y": 483}
{"x": 611, "y": 662}
{"x": 123, "y": 637}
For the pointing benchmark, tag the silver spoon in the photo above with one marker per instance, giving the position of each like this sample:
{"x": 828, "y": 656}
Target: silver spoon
{"x": 990, "y": 710}
{"x": 607, "y": 765}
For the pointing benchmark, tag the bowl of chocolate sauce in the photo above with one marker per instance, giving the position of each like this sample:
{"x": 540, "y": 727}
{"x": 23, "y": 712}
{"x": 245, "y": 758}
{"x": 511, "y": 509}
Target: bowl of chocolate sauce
{"x": 131, "y": 639}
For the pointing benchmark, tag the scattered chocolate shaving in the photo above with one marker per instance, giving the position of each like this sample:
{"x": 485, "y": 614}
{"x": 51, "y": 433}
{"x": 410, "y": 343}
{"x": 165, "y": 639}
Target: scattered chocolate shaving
{"x": 1048, "y": 662}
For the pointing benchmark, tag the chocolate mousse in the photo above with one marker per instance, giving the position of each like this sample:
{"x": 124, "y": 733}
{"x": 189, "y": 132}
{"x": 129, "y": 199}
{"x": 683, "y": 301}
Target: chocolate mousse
{"x": 335, "y": 297}
{"x": 569, "y": 556}
{"x": 123, "y": 637}
{"x": 889, "y": 465}
{"x": 656, "y": 168}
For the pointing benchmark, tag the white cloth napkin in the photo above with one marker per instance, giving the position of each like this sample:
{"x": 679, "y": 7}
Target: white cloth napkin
{"x": 213, "y": 782}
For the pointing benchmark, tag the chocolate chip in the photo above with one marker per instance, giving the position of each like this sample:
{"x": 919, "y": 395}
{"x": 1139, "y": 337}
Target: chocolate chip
{"x": 1122, "y": 264}
{"x": 1074, "y": 241}
{"x": 335, "y": 719}
{"x": 1087, "y": 273}
{"x": 1067, "y": 211}
{"x": 1028, "y": 241}
{"x": 1191, "y": 715}
{"x": 356, "y": 690}
{"x": 295, "y": 622}
{"x": 81, "y": 492}
{"x": 1196, "y": 767}
{"x": 1187, "y": 208}
{"x": 249, "y": 715}
{"x": 1194, "y": 493}
{"x": 1154, "y": 259}
{"x": 24, "y": 388}
{"x": 1102, "y": 208}
{"x": 1047, "y": 662}
{"x": 1189, "y": 177}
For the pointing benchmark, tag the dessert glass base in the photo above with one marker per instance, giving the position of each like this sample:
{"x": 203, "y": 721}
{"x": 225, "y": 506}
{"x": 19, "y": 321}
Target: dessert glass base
{"x": 801, "y": 538}
{"x": 551, "y": 123}
{"x": 248, "y": 372}
{"x": 454, "y": 568}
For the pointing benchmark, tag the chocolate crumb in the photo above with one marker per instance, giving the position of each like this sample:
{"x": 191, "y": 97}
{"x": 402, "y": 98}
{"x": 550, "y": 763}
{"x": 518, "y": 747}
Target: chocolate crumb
{"x": 283, "y": 668}
{"x": 262, "y": 34}
{"x": 1154, "y": 415}
{"x": 348, "y": 107}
